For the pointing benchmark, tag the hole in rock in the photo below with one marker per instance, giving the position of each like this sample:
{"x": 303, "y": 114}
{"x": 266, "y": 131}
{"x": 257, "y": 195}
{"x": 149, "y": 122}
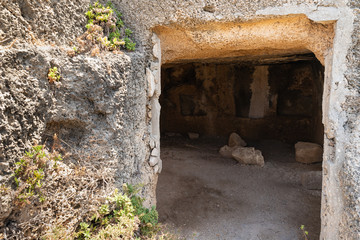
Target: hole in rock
{"x": 272, "y": 103}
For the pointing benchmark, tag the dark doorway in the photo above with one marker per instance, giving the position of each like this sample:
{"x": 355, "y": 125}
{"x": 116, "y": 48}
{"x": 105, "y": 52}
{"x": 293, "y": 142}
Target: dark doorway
{"x": 271, "y": 103}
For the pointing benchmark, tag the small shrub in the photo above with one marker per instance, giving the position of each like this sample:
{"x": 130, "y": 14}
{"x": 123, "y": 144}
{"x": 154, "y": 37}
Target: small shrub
{"x": 29, "y": 173}
{"x": 41, "y": 186}
{"x": 53, "y": 75}
{"x": 148, "y": 217}
{"x": 123, "y": 215}
{"x": 113, "y": 220}
{"x": 105, "y": 28}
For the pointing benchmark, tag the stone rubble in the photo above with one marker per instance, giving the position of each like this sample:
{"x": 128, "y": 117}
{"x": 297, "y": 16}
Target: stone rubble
{"x": 244, "y": 155}
{"x": 248, "y": 156}
{"x": 226, "y": 151}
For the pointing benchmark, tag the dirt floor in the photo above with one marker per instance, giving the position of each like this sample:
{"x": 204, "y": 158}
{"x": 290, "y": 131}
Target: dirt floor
{"x": 206, "y": 196}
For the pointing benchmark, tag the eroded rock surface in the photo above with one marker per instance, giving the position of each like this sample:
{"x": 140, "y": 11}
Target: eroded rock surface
{"x": 89, "y": 110}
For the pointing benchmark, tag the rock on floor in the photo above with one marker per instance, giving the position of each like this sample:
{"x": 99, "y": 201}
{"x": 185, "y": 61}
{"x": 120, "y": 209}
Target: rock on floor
{"x": 226, "y": 151}
{"x": 236, "y": 149}
{"x": 235, "y": 140}
{"x": 306, "y": 152}
{"x": 248, "y": 155}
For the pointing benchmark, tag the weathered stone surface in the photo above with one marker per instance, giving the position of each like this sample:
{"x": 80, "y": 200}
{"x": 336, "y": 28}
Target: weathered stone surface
{"x": 235, "y": 140}
{"x": 152, "y": 143}
{"x": 226, "y": 151}
{"x": 210, "y": 8}
{"x": 153, "y": 161}
{"x": 150, "y": 82}
{"x": 312, "y": 180}
{"x": 5, "y": 206}
{"x": 248, "y": 155}
{"x": 160, "y": 164}
{"x": 155, "y": 152}
{"x": 89, "y": 110}
{"x": 306, "y": 152}
{"x": 57, "y": 22}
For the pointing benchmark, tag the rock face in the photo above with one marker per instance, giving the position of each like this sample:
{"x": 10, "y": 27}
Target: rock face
{"x": 235, "y": 140}
{"x": 248, "y": 155}
{"x": 88, "y": 109}
{"x": 97, "y": 109}
{"x": 306, "y": 152}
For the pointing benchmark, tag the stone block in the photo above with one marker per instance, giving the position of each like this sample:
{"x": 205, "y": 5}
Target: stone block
{"x": 306, "y": 152}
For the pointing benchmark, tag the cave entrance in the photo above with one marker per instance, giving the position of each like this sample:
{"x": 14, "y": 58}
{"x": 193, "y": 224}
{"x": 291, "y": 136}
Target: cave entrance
{"x": 272, "y": 103}
{"x": 266, "y": 81}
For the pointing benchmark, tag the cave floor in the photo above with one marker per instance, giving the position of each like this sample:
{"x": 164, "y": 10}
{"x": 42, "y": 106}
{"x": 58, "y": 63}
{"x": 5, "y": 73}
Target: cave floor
{"x": 201, "y": 195}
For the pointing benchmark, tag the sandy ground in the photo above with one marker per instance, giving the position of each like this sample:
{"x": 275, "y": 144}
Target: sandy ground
{"x": 206, "y": 196}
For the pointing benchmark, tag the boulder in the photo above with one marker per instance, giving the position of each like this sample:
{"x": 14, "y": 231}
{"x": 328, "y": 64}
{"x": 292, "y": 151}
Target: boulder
{"x": 235, "y": 141}
{"x": 306, "y": 152}
{"x": 248, "y": 155}
{"x": 226, "y": 151}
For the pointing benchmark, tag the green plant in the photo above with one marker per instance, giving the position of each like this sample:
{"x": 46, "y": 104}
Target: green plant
{"x": 29, "y": 173}
{"x": 75, "y": 49}
{"x": 112, "y": 220}
{"x": 148, "y": 217}
{"x": 129, "y": 44}
{"x": 56, "y": 159}
{"x": 124, "y": 215}
{"x": 105, "y": 27}
{"x": 53, "y": 75}
{"x": 4, "y": 188}
{"x": 305, "y": 233}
